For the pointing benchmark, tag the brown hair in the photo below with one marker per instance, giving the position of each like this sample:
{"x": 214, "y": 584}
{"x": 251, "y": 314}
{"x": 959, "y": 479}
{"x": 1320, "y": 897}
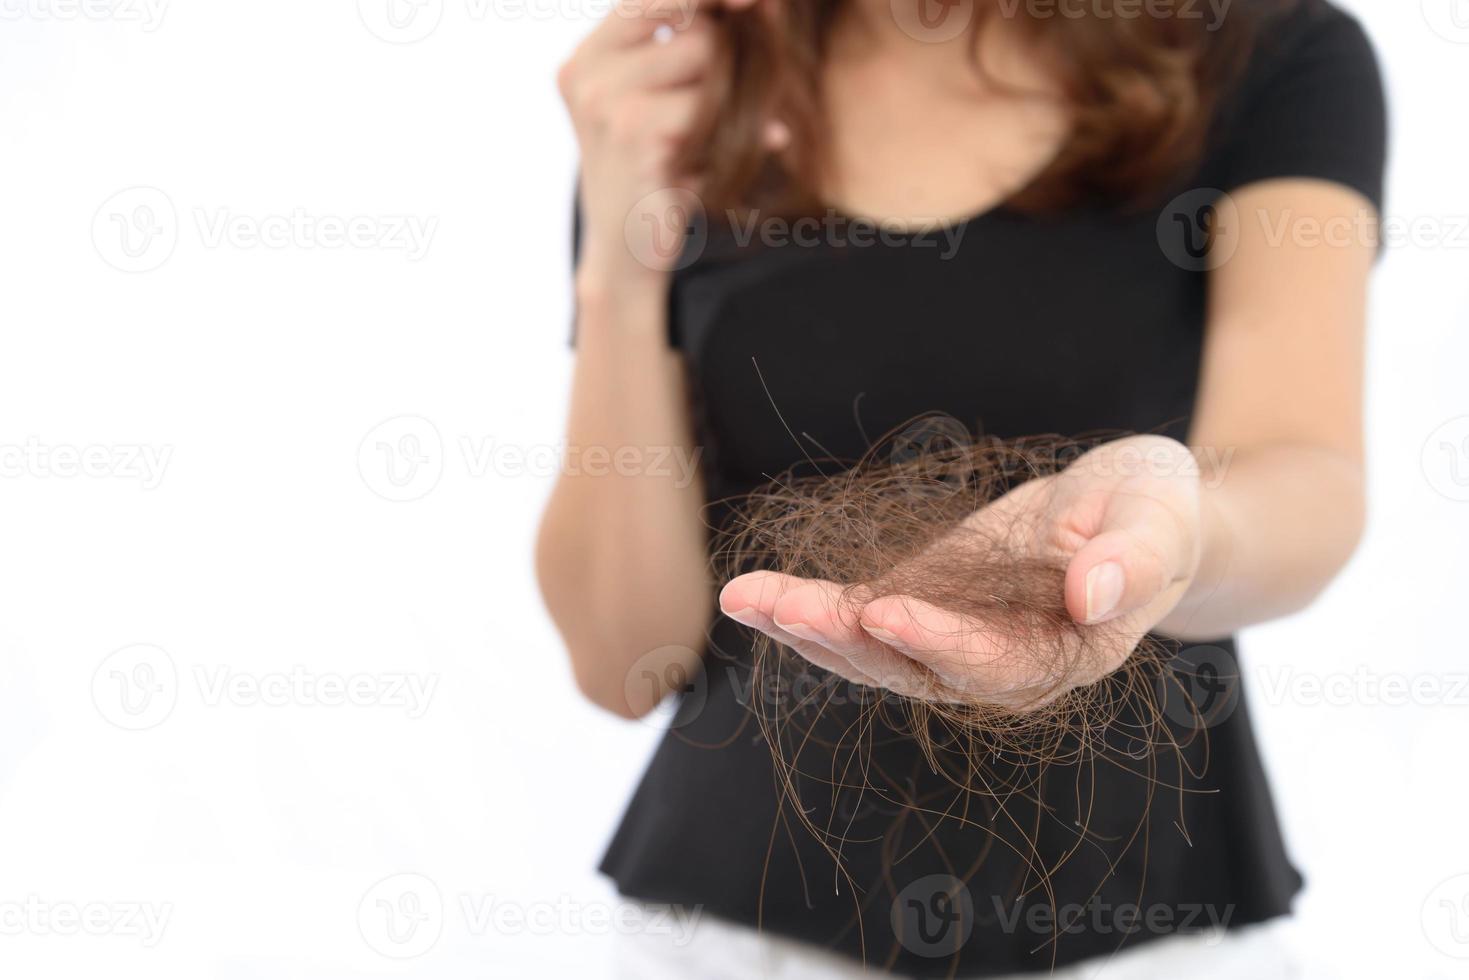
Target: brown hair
{"x": 1141, "y": 91}
{"x": 898, "y": 523}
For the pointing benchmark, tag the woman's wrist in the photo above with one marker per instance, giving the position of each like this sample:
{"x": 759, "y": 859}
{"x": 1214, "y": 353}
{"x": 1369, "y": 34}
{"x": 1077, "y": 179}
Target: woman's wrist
{"x": 631, "y": 298}
{"x": 1216, "y": 544}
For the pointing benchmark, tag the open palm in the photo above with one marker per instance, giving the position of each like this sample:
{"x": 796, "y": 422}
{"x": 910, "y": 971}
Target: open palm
{"x": 1123, "y": 523}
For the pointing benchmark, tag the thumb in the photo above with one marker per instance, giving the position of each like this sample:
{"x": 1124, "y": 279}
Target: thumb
{"x": 1142, "y": 549}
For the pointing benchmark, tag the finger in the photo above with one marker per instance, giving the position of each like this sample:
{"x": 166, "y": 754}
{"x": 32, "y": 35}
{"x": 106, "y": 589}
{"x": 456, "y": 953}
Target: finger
{"x": 756, "y": 592}
{"x": 635, "y": 21}
{"x": 822, "y": 612}
{"x": 666, "y": 115}
{"x": 681, "y": 61}
{"x": 961, "y": 651}
{"x": 1143, "y": 550}
{"x": 751, "y": 600}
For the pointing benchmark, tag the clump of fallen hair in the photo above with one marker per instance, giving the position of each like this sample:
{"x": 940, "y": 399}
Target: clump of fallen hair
{"x": 915, "y": 517}
{"x": 902, "y": 521}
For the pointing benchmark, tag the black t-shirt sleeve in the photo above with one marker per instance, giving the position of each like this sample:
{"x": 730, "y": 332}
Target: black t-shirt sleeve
{"x": 1311, "y": 105}
{"x": 575, "y": 259}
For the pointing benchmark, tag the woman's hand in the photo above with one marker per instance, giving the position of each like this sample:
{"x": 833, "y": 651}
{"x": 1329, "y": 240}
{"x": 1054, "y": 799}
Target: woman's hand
{"x": 633, "y": 88}
{"x": 1124, "y": 521}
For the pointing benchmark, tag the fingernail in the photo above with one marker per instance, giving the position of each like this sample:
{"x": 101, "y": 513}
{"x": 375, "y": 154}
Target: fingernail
{"x": 1103, "y": 590}
{"x": 800, "y": 629}
{"x": 878, "y": 633}
{"x": 740, "y": 615}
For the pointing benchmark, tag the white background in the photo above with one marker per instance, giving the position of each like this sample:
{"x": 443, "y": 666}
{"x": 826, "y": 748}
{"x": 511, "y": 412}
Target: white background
{"x": 260, "y": 374}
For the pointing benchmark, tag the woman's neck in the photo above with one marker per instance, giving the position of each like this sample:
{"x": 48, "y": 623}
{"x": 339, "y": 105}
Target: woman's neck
{"x": 937, "y": 38}
{"x": 930, "y": 30}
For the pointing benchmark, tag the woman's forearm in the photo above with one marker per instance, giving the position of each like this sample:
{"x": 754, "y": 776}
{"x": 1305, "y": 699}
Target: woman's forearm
{"x": 1278, "y": 522}
{"x": 621, "y": 551}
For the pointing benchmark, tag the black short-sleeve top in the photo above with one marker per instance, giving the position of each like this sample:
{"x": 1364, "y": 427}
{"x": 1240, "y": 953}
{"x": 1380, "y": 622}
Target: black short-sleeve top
{"x": 1017, "y": 325}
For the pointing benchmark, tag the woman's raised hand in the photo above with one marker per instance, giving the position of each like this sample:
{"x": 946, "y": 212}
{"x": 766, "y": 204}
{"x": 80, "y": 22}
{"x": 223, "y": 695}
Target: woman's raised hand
{"x": 633, "y": 89}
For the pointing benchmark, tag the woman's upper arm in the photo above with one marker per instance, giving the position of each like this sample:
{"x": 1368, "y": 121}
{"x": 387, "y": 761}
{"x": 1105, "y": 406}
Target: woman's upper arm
{"x": 1295, "y": 237}
{"x": 1283, "y": 347}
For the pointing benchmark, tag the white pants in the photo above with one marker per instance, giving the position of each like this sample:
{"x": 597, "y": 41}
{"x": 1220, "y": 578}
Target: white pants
{"x": 720, "y": 950}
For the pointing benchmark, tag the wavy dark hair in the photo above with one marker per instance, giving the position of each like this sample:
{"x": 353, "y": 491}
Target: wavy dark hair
{"x": 1141, "y": 92}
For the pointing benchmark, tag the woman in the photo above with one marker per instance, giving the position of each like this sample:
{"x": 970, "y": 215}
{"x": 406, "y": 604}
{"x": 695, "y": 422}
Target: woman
{"x": 1044, "y": 180}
